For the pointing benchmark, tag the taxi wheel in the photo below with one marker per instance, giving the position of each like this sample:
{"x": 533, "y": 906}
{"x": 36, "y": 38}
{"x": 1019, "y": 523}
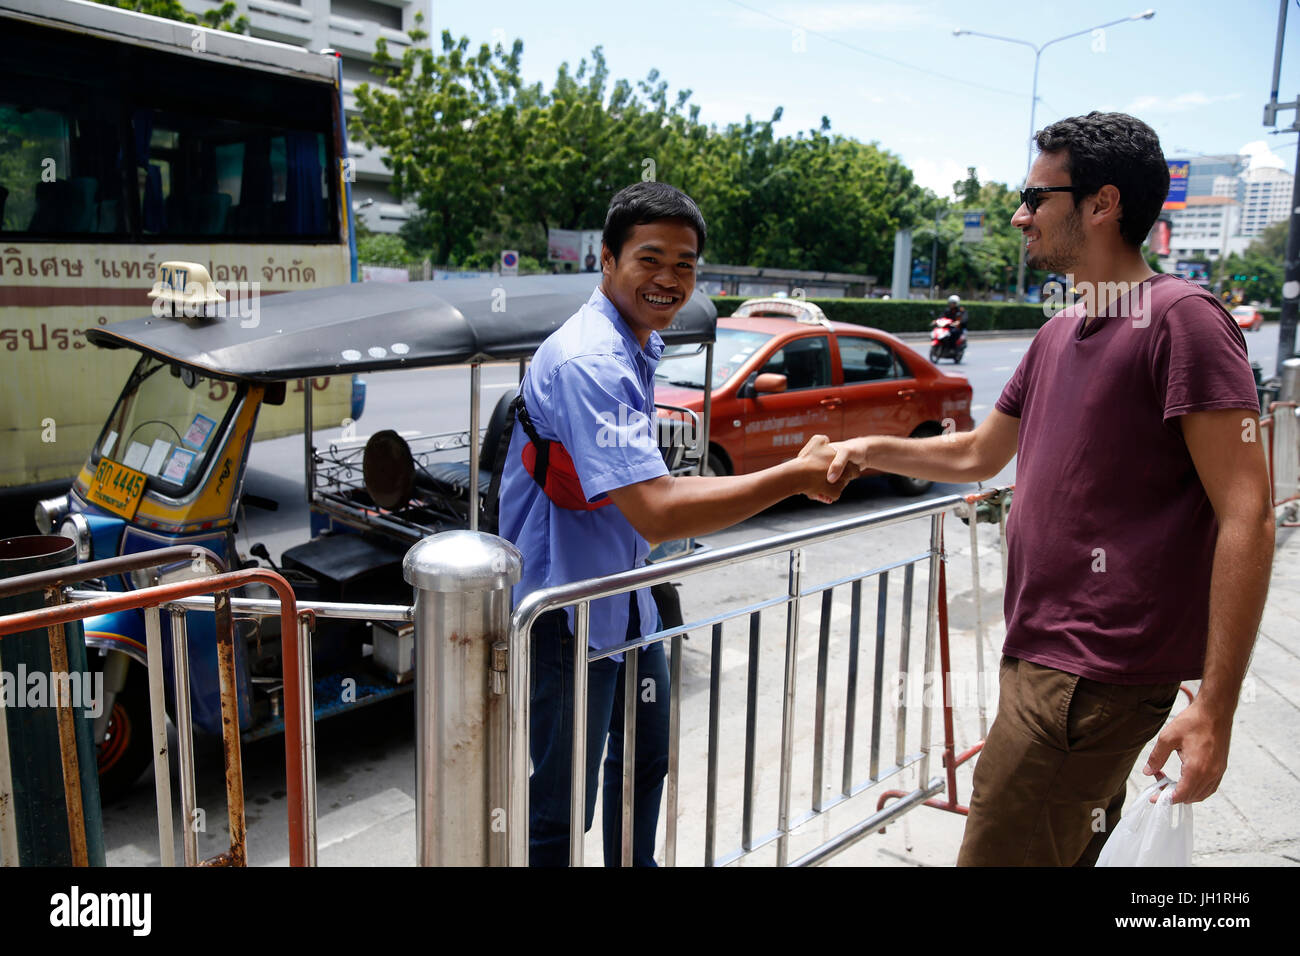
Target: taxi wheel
{"x": 714, "y": 467}
{"x": 125, "y": 751}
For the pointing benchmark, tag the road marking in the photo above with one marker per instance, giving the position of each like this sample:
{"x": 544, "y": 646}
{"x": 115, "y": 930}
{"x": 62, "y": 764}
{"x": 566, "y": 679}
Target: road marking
{"x": 1020, "y": 350}
{"x": 1003, "y": 368}
{"x": 502, "y": 385}
{"x": 978, "y": 408}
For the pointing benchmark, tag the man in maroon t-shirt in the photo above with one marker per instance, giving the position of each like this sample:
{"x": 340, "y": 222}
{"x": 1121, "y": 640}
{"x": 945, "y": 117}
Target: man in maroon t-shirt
{"x": 1141, "y": 539}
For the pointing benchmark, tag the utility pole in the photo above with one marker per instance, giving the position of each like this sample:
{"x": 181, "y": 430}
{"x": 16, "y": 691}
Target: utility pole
{"x": 1291, "y": 275}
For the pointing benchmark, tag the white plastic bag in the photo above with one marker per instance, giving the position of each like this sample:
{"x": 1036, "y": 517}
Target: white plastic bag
{"x": 1151, "y": 834}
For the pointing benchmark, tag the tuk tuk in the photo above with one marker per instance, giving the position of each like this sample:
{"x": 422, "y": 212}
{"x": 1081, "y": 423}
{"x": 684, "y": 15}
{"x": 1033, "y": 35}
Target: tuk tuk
{"x": 169, "y": 464}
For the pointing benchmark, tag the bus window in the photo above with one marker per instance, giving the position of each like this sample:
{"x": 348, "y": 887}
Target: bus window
{"x": 59, "y": 168}
{"x": 92, "y": 143}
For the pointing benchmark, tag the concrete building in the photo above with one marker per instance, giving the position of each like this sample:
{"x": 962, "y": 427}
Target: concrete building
{"x": 351, "y": 27}
{"x": 1265, "y": 199}
{"x": 1203, "y": 231}
{"x": 1206, "y": 170}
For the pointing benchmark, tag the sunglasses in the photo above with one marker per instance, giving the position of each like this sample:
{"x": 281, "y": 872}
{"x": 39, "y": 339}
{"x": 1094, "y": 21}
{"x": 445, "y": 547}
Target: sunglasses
{"x": 1032, "y": 196}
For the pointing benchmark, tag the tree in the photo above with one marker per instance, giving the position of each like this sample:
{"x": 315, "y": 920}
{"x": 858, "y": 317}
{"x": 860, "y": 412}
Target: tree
{"x": 219, "y": 19}
{"x": 1261, "y": 269}
{"x": 438, "y": 118}
{"x": 572, "y": 148}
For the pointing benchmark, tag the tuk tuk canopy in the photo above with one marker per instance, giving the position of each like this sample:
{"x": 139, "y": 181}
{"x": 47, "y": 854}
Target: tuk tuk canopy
{"x": 375, "y": 326}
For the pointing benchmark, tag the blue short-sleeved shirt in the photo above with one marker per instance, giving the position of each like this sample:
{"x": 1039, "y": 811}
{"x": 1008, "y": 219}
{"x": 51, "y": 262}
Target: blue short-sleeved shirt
{"x": 591, "y": 388}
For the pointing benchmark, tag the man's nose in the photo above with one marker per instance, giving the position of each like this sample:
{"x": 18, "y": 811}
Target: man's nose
{"x": 1022, "y": 216}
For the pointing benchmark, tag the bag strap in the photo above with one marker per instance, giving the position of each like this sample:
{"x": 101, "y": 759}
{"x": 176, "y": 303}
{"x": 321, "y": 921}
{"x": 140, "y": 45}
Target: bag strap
{"x": 542, "y": 445}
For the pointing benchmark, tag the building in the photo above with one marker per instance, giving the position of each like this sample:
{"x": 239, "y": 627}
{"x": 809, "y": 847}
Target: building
{"x": 1203, "y": 232}
{"x": 351, "y": 27}
{"x": 1205, "y": 171}
{"x": 1265, "y": 199}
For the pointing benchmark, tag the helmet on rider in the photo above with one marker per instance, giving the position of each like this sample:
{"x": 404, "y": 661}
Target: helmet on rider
{"x": 954, "y": 300}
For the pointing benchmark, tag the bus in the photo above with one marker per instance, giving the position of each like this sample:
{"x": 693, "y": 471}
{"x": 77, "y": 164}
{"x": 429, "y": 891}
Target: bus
{"x": 125, "y": 141}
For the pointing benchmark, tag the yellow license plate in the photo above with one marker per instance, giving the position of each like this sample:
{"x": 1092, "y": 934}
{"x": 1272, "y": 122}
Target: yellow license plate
{"x": 117, "y": 488}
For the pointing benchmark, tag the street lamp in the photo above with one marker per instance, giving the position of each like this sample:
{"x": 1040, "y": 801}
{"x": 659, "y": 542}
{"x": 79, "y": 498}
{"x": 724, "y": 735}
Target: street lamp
{"x": 1033, "y": 101}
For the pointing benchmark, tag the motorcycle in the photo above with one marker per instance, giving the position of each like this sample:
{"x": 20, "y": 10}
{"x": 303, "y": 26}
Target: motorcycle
{"x": 945, "y": 342}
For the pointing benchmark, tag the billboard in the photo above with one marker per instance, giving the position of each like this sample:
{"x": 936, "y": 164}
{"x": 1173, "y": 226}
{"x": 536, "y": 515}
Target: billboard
{"x": 972, "y": 227}
{"x": 1178, "y": 173}
{"x": 581, "y": 248}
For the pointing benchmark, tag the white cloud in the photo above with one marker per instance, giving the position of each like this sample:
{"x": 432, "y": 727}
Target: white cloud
{"x": 1175, "y": 104}
{"x": 844, "y": 17}
{"x": 1261, "y": 155}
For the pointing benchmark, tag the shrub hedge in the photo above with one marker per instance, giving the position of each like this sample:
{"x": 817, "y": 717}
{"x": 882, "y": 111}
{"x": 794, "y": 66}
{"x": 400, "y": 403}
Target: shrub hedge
{"x": 897, "y": 315}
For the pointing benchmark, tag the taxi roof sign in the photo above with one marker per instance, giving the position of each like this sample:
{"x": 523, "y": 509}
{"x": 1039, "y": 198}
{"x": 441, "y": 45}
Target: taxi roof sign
{"x": 186, "y": 284}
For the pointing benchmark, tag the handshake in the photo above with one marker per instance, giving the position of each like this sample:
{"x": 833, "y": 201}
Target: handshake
{"x": 826, "y": 467}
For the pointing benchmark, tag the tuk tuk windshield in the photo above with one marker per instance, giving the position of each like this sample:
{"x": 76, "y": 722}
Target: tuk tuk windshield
{"x": 166, "y": 424}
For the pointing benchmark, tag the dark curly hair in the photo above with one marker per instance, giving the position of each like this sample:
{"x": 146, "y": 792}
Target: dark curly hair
{"x": 647, "y": 202}
{"x": 1118, "y": 150}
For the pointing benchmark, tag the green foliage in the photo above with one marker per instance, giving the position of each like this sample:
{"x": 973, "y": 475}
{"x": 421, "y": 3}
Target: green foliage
{"x": 437, "y": 116}
{"x": 975, "y": 267}
{"x": 383, "y": 247}
{"x": 493, "y": 164}
{"x": 897, "y": 315}
{"x": 219, "y": 19}
{"x": 1261, "y": 269}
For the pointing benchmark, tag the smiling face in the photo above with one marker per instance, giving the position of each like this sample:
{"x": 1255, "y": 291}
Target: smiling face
{"x": 1054, "y": 237}
{"x": 653, "y": 275}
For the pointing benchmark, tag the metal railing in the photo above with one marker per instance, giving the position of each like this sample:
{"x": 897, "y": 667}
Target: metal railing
{"x": 579, "y": 595}
{"x": 152, "y": 601}
{"x": 1282, "y": 425}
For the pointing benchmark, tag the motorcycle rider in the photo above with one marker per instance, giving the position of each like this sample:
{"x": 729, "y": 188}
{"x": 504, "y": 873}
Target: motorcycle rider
{"x": 957, "y": 315}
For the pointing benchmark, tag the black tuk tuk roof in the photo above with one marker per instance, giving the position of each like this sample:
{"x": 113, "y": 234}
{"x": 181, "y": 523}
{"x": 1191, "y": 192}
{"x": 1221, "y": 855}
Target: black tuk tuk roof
{"x": 378, "y": 326}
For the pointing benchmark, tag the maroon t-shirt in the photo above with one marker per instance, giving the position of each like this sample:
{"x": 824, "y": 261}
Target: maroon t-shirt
{"x": 1111, "y": 537}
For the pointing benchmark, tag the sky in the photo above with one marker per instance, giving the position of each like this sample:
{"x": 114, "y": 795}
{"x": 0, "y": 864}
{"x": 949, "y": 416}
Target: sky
{"x": 1199, "y": 72}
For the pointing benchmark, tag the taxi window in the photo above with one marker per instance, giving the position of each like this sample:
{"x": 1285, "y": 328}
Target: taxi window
{"x": 866, "y": 360}
{"x": 805, "y": 363}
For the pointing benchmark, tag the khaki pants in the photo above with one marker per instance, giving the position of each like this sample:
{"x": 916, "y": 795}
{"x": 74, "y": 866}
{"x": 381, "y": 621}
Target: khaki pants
{"x": 1050, "y": 781}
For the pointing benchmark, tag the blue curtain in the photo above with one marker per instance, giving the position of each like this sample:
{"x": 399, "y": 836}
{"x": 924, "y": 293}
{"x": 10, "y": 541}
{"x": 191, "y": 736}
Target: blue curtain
{"x": 306, "y": 208}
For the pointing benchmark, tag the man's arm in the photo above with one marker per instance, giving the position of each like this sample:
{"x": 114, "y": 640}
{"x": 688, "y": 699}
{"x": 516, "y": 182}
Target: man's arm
{"x": 678, "y": 507}
{"x": 958, "y": 457}
{"x": 1226, "y": 448}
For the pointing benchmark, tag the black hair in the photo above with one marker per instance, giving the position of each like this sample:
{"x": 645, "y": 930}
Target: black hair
{"x": 1113, "y": 149}
{"x": 646, "y": 202}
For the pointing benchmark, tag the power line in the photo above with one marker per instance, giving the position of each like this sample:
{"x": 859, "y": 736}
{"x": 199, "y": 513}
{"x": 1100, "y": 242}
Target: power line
{"x": 879, "y": 56}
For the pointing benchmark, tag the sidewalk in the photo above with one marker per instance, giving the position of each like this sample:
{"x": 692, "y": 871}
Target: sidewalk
{"x": 1250, "y": 821}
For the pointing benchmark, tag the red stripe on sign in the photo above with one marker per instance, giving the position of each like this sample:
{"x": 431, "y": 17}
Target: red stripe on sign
{"x": 38, "y": 296}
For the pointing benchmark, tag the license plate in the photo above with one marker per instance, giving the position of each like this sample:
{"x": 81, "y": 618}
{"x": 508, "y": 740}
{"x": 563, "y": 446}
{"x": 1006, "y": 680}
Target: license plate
{"x": 117, "y": 488}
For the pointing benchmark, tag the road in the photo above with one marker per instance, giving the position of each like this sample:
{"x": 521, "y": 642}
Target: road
{"x": 365, "y": 761}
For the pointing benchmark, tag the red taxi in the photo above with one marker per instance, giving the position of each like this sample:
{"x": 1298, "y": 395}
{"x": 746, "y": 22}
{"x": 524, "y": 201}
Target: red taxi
{"x": 783, "y": 373}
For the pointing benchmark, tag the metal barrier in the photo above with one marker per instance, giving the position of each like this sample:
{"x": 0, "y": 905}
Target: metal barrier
{"x": 298, "y": 748}
{"x": 792, "y": 545}
{"x": 1283, "y": 445}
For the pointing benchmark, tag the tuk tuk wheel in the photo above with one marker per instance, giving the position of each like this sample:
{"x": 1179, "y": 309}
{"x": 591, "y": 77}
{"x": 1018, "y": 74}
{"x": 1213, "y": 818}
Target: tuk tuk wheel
{"x": 126, "y": 750}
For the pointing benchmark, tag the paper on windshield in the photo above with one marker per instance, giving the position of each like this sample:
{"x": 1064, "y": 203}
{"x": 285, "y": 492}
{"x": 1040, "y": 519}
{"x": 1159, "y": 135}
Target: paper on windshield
{"x": 196, "y": 436}
{"x": 179, "y": 465}
{"x": 135, "y": 455}
{"x": 157, "y": 455}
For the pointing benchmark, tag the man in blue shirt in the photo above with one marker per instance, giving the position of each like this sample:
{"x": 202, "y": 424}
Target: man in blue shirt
{"x": 591, "y": 389}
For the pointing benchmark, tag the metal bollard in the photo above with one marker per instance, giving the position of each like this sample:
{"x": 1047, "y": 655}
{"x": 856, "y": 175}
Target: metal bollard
{"x": 462, "y": 582}
{"x": 1286, "y": 435}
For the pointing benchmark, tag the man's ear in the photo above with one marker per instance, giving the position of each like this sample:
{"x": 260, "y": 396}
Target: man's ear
{"x": 607, "y": 259}
{"x": 1105, "y": 205}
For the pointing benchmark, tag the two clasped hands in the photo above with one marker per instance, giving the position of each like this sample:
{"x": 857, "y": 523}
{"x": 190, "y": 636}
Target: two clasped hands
{"x": 829, "y": 466}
